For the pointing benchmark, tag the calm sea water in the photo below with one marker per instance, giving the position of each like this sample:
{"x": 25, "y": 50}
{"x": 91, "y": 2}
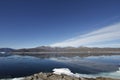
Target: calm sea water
{"x": 19, "y": 66}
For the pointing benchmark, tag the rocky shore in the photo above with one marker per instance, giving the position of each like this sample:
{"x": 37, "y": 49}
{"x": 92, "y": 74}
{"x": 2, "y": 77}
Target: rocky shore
{"x": 52, "y": 76}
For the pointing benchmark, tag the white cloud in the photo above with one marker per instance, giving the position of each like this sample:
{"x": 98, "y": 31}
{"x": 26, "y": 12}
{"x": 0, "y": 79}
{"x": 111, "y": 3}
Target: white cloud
{"x": 108, "y": 33}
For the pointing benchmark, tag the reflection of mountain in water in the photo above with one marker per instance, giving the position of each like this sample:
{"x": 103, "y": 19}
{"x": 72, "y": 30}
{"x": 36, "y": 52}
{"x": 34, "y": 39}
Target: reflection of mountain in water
{"x": 3, "y": 54}
{"x": 28, "y": 65}
{"x": 86, "y": 66}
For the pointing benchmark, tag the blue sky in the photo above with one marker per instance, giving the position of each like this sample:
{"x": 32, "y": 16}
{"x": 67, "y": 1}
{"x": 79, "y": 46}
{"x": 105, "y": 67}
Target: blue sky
{"x": 32, "y": 23}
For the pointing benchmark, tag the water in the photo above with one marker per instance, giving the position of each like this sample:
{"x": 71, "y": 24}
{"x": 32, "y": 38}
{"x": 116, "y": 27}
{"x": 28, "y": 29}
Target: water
{"x": 19, "y": 66}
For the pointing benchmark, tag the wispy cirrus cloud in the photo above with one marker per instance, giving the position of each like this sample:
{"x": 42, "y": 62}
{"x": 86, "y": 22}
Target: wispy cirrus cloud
{"x": 108, "y": 33}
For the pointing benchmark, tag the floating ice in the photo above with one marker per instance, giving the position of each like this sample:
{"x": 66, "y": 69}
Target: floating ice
{"x": 13, "y": 79}
{"x": 67, "y": 71}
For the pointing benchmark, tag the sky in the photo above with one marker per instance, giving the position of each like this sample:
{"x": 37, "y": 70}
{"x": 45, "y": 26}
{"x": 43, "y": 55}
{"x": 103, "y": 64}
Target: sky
{"x": 59, "y": 23}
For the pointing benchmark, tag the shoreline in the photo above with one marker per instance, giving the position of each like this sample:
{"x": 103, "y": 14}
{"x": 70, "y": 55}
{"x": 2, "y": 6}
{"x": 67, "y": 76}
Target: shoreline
{"x": 66, "y": 54}
{"x": 52, "y": 76}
